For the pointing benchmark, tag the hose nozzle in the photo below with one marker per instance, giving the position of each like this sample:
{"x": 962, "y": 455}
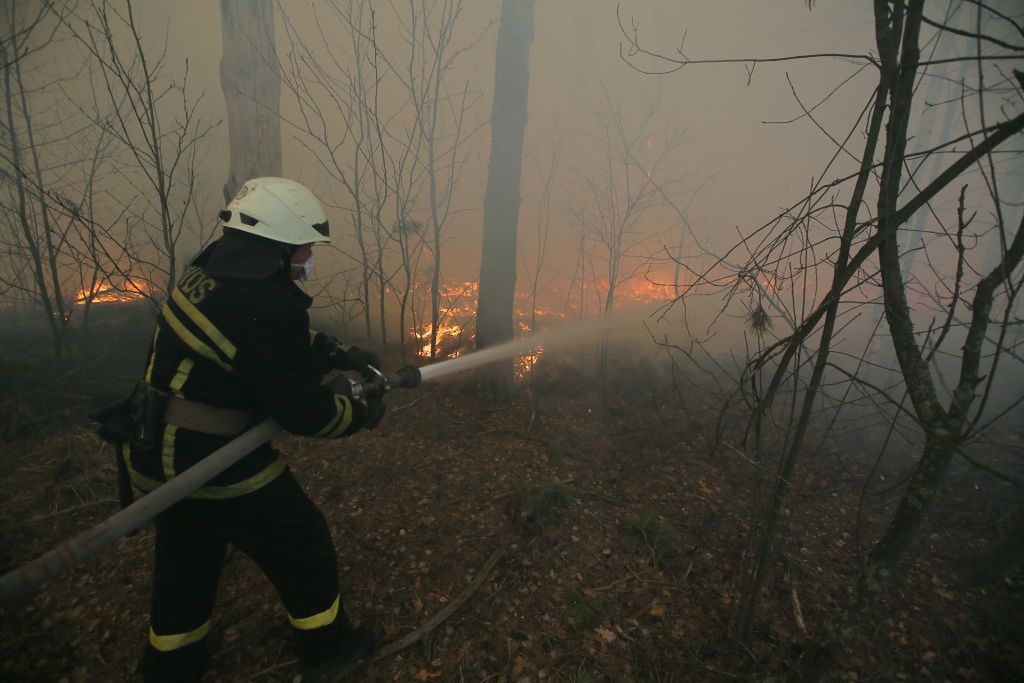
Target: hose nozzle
{"x": 375, "y": 387}
{"x": 408, "y": 377}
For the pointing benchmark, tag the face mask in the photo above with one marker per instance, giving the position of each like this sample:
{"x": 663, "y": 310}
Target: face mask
{"x": 307, "y": 269}
{"x": 302, "y": 271}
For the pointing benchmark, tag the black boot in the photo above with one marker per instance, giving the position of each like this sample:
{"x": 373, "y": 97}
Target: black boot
{"x": 355, "y": 644}
{"x": 185, "y": 665}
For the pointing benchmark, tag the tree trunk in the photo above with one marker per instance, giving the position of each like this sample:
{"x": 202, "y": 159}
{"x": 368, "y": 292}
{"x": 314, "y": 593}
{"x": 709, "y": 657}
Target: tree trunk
{"x": 251, "y": 83}
{"x": 501, "y": 201}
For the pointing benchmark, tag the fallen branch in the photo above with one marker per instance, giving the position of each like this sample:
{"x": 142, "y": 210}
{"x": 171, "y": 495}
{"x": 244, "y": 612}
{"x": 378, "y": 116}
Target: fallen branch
{"x": 396, "y": 646}
{"x": 410, "y": 404}
{"x": 798, "y": 614}
{"x": 276, "y": 667}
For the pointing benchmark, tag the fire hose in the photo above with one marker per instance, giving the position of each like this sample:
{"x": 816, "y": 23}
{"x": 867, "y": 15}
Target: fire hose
{"x": 72, "y": 552}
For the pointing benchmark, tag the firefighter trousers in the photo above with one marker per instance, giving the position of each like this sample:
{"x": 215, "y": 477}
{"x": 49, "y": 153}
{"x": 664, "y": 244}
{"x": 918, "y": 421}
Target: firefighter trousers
{"x": 287, "y": 537}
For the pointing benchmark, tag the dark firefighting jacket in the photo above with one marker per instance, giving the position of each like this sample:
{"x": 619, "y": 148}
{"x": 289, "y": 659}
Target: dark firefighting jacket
{"x": 242, "y": 344}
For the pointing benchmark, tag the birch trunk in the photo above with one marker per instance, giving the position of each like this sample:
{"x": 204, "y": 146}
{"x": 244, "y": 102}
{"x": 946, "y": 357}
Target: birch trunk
{"x": 251, "y": 82}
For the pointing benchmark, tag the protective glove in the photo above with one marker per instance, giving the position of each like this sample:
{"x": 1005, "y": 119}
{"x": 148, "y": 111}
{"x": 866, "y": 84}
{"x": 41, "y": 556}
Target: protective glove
{"x": 357, "y": 359}
{"x": 375, "y": 410}
{"x": 366, "y": 412}
{"x": 337, "y": 355}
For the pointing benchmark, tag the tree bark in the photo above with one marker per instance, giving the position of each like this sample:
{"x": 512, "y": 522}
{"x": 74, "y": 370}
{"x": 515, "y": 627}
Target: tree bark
{"x": 251, "y": 82}
{"x": 495, "y": 308}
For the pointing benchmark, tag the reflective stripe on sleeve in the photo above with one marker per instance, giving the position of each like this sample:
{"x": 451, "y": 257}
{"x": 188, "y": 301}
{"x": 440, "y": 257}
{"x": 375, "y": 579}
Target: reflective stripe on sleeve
{"x": 204, "y": 324}
{"x": 176, "y": 641}
{"x": 340, "y": 421}
{"x": 191, "y": 340}
{"x": 317, "y": 620}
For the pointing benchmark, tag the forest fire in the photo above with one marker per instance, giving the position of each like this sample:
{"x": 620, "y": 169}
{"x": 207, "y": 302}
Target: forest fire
{"x": 743, "y": 403}
{"x": 106, "y": 293}
{"x": 645, "y": 291}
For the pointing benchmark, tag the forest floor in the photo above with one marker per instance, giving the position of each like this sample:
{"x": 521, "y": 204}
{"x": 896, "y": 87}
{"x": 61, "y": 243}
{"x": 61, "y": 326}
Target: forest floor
{"x": 624, "y": 546}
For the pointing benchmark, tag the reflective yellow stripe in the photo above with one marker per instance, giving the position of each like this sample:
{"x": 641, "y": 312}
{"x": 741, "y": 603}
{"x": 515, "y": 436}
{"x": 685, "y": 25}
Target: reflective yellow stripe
{"x": 317, "y": 620}
{"x": 253, "y": 483}
{"x": 181, "y": 376}
{"x": 192, "y": 340}
{"x": 167, "y": 453}
{"x": 340, "y": 421}
{"x": 177, "y": 641}
{"x": 140, "y": 480}
{"x": 204, "y": 324}
{"x": 152, "y": 358}
{"x": 346, "y": 419}
{"x": 333, "y": 422}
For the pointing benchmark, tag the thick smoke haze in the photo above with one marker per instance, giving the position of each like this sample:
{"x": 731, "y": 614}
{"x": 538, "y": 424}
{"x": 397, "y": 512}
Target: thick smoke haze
{"x": 754, "y": 169}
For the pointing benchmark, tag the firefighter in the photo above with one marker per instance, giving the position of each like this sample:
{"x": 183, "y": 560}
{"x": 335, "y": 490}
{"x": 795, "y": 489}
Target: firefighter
{"x": 232, "y": 346}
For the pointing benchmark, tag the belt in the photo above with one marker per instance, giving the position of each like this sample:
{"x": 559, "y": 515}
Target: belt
{"x": 200, "y": 417}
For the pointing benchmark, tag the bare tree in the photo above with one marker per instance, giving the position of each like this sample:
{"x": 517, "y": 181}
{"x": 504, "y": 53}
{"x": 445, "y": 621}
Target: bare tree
{"x": 159, "y": 130}
{"x": 615, "y": 197}
{"x": 440, "y": 117}
{"x": 340, "y": 124}
{"x": 947, "y": 368}
{"x": 388, "y": 158}
{"x": 37, "y": 216}
{"x": 547, "y": 179}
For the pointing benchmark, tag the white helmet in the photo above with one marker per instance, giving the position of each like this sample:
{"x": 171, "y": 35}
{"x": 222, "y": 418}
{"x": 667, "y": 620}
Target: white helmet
{"x": 278, "y": 209}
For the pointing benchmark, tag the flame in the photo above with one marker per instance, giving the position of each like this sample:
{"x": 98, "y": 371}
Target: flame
{"x": 455, "y": 329}
{"x": 640, "y": 290}
{"x": 106, "y": 293}
{"x": 524, "y": 364}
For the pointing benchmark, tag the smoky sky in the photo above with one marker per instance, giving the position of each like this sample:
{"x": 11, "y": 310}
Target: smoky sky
{"x": 754, "y": 168}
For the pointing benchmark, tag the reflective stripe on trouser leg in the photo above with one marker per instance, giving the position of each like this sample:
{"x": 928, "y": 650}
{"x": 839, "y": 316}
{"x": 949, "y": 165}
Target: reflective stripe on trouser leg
{"x": 176, "y": 641}
{"x": 287, "y": 537}
{"x": 189, "y": 555}
{"x": 317, "y": 620}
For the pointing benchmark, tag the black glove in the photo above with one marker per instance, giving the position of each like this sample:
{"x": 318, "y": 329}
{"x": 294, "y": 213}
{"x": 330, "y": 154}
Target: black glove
{"x": 375, "y": 410}
{"x": 366, "y": 413}
{"x": 343, "y": 357}
{"x": 355, "y": 358}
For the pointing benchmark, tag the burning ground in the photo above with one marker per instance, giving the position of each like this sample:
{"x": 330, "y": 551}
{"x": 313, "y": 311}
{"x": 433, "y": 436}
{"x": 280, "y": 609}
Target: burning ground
{"x": 622, "y": 542}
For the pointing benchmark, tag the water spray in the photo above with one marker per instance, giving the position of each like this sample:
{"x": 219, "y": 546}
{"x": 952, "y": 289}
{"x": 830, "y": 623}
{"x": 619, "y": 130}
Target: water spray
{"x": 72, "y": 552}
